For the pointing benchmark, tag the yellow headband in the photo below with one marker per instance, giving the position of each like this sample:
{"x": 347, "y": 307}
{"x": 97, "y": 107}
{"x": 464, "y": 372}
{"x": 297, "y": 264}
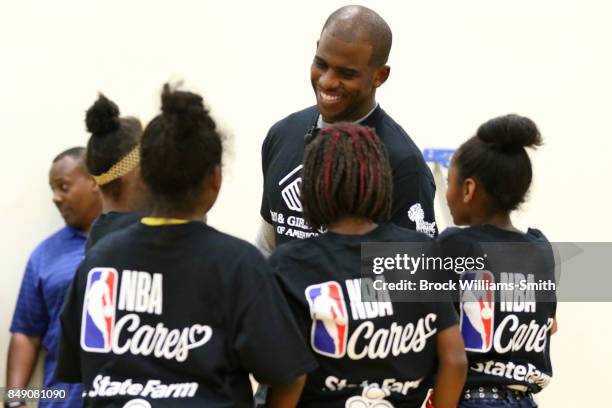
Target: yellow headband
{"x": 121, "y": 168}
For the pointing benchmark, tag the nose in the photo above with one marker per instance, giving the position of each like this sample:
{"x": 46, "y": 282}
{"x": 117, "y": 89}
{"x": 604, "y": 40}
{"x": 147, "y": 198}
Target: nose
{"x": 328, "y": 80}
{"x": 57, "y": 197}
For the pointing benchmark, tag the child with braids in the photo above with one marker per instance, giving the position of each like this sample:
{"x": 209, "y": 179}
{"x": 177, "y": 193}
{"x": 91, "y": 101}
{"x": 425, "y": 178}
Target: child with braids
{"x": 506, "y": 332}
{"x": 113, "y": 157}
{"x": 346, "y": 188}
{"x": 169, "y": 312}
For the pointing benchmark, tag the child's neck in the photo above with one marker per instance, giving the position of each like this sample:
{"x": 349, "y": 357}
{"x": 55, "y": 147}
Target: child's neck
{"x": 352, "y": 225}
{"x": 500, "y": 220}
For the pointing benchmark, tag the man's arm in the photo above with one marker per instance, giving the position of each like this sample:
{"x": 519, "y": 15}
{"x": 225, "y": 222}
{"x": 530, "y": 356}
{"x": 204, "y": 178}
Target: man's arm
{"x": 22, "y": 354}
{"x": 265, "y": 240}
{"x": 30, "y": 322}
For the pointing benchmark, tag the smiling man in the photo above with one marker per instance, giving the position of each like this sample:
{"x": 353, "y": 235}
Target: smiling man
{"x": 48, "y": 274}
{"x": 349, "y": 65}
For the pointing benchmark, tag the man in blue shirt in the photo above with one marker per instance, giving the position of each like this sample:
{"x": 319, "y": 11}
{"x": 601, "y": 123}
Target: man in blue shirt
{"x": 48, "y": 274}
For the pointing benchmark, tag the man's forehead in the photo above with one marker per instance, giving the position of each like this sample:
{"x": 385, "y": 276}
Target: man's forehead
{"x": 338, "y": 51}
{"x": 67, "y": 166}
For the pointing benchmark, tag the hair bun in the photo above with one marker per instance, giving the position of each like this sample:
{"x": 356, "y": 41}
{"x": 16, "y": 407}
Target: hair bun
{"x": 181, "y": 102}
{"x": 510, "y": 133}
{"x": 185, "y": 112}
{"x": 102, "y": 117}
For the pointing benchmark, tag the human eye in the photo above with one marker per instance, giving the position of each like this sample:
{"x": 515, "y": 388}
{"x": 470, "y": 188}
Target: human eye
{"x": 348, "y": 73}
{"x": 319, "y": 63}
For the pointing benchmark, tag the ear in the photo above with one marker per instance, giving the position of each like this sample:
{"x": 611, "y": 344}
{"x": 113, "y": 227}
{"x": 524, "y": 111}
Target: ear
{"x": 381, "y": 75}
{"x": 94, "y": 186}
{"x": 468, "y": 190}
{"x": 216, "y": 179}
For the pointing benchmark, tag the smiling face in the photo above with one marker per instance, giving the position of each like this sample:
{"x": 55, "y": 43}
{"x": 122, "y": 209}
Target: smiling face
{"x": 343, "y": 80}
{"x": 75, "y": 193}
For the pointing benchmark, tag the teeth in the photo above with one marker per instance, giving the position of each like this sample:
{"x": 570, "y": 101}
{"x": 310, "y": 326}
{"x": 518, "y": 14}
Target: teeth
{"x": 328, "y": 98}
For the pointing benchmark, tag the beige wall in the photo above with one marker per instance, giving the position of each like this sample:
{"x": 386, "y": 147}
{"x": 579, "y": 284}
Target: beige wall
{"x": 454, "y": 65}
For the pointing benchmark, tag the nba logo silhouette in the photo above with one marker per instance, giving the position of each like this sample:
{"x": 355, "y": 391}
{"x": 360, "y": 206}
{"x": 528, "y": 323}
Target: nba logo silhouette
{"x": 477, "y": 311}
{"x": 329, "y": 319}
{"x": 98, "y": 320}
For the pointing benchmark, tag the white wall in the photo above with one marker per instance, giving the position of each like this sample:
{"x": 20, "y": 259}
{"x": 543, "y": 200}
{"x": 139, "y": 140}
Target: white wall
{"x": 454, "y": 65}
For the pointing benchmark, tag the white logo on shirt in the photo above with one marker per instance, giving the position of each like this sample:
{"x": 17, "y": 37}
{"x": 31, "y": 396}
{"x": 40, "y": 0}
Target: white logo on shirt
{"x": 105, "y": 386}
{"x": 417, "y": 215}
{"x": 371, "y": 397}
{"x": 291, "y": 192}
{"x": 138, "y": 403}
{"x": 141, "y": 292}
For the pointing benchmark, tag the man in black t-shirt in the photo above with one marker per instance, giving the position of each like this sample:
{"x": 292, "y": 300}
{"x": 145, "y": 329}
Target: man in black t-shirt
{"x": 349, "y": 65}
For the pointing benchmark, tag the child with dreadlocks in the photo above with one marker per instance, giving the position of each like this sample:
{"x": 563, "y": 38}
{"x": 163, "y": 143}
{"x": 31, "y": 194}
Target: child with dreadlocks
{"x": 382, "y": 353}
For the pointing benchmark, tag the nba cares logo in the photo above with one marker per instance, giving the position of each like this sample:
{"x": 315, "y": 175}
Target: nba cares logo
{"x": 477, "y": 311}
{"x": 329, "y": 319}
{"x": 98, "y": 320}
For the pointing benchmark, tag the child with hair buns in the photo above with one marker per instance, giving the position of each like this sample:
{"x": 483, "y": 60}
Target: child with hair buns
{"x": 113, "y": 158}
{"x": 170, "y": 312}
{"x": 506, "y": 332}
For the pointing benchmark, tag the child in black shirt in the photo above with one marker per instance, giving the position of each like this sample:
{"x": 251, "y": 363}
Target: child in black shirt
{"x": 382, "y": 354}
{"x": 170, "y": 312}
{"x": 506, "y": 328}
{"x": 113, "y": 157}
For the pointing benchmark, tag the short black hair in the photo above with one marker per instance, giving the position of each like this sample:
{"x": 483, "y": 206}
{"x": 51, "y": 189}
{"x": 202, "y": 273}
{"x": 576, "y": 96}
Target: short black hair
{"x": 346, "y": 172}
{"x": 112, "y": 138}
{"x": 179, "y": 148}
{"x": 77, "y": 153}
{"x": 361, "y": 24}
{"x": 496, "y": 157}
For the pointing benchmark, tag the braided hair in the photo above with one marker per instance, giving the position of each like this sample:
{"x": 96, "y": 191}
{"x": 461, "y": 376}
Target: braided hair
{"x": 346, "y": 173}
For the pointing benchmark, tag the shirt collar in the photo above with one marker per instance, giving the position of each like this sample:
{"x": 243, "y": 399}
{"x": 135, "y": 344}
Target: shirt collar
{"x": 74, "y": 233}
{"x": 321, "y": 123}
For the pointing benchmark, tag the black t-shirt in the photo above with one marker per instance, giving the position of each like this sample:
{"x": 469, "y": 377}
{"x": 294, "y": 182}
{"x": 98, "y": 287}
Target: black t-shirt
{"x": 282, "y": 154}
{"x": 177, "y": 315}
{"x": 506, "y": 328}
{"x": 368, "y": 352}
{"x": 109, "y": 222}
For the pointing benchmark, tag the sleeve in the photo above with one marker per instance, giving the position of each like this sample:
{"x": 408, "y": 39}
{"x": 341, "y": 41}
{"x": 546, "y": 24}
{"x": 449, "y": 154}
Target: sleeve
{"x": 289, "y": 291}
{"x": 447, "y": 315}
{"x": 413, "y": 198}
{"x": 265, "y": 206}
{"x": 31, "y": 316}
{"x": 265, "y": 240}
{"x": 266, "y": 332}
{"x": 68, "y": 367}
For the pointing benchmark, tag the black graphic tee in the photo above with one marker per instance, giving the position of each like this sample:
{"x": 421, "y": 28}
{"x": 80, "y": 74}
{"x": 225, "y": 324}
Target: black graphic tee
{"x": 369, "y": 353}
{"x": 282, "y": 154}
{"x": 507, "y": 314}
{"x": 109, "y": 222}
{"x": 177, "y": 315}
